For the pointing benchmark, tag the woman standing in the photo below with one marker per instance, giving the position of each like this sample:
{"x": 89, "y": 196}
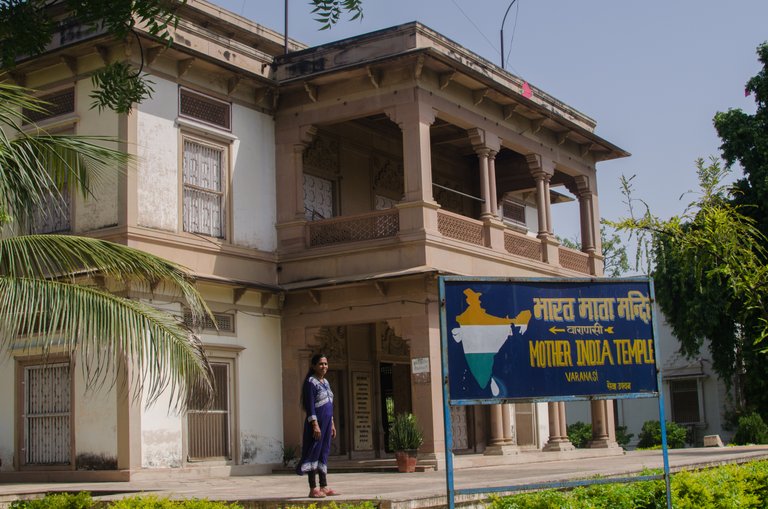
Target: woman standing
{"x": 317, "y": 400}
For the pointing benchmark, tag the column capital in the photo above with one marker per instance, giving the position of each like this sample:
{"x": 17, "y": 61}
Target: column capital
{"x": 539, "y": 166}
{"x": 416, "y": 112}
{"x": 480, "y": 138}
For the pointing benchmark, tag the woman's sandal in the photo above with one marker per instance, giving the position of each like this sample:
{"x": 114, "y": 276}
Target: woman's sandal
{"x": 328, "y": 492}
{"x": 316, "y": 493}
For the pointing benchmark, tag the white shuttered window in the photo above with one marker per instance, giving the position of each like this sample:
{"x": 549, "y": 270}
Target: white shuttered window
{"x": 204, "y": 174}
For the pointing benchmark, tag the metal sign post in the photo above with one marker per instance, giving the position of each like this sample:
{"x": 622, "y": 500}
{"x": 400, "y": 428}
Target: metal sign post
{"x": 532, "y": 340}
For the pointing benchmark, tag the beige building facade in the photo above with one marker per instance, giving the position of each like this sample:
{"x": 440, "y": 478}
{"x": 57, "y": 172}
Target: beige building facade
{"x": 317, "y": 196}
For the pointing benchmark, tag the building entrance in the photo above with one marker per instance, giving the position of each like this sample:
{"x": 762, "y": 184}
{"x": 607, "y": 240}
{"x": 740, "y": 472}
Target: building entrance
{"x": 395, "y": 385}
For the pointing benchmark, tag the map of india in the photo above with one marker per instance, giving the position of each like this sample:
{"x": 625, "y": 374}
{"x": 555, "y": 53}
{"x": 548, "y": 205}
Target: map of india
{"x": 483, "y": 335}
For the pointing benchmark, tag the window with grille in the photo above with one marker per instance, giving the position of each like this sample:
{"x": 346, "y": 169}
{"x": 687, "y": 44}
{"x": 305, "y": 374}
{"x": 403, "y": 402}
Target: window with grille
{"x": 204, "y": 181}
{"x": 58, "y": 103}
{"x": 46, "y": 418}
{"x": 684, "y": 396}
{"x": 209, "y": 422}
{"x": 205, "y": 109}
{"x": 513, "y": 212}
{"x": 318, "y": 198}
{"x": 225, "y": 321}
{"x": 52, "y": 215}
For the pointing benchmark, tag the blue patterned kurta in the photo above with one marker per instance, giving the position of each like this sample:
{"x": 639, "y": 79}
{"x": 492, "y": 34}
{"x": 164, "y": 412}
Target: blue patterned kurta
{"x": 318, "y": 404}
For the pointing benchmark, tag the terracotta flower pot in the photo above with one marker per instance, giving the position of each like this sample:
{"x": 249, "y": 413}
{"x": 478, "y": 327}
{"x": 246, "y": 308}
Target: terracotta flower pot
{"x": 406, "y": 461}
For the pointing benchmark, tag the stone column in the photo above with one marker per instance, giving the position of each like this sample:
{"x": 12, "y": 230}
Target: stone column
{"x": 590, "y": 224}
{"x": 603, "y": 426}
{"x": 418, "y": 210}
{"x": 485, "y": 193}
{"x": 291, "y": 144}
{"x": 415, "y": 120}
{"x": 501, "y": 442}
{"x": 558, "y": 429}
{"x": 492, "y": 184}
{"x": 542, "y": 171}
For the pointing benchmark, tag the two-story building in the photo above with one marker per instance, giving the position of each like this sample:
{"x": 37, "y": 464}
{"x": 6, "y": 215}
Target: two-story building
{"x": 316, "y": 196}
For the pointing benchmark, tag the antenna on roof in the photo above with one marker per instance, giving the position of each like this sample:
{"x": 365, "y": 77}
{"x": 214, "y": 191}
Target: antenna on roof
{"x": 501, "y": 35}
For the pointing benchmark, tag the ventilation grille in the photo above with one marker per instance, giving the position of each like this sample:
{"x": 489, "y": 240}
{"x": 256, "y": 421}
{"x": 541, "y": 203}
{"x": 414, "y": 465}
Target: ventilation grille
{"x": 225, "y": 321}
{"x": 513, "y": 212}
{"x": 59, "y": 103}
{"x": 205, "y": 109}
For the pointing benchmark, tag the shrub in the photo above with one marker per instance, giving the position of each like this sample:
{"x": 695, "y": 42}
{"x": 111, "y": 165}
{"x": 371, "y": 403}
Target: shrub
{"x": 80, "y": 500}
{"x": 729, "y": 486}
{"x": 580, "y": 434}
{"x": 650, "y": 435}
{"x": 751, "y": 430}
{"x": 622, "y": 437}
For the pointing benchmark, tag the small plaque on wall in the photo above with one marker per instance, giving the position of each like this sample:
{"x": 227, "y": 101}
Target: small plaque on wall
{"x": 362, "y": 411}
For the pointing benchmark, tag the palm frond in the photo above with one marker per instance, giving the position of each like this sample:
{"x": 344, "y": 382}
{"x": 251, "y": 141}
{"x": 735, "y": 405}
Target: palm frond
{"x": 102, "y": 330}
{"x": 35, "y": 166}
{"x": 73, "y": 257}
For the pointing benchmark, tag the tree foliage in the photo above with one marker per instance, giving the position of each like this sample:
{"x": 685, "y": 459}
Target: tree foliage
{"x": 709, "y": 264}
{"x": 615, "y": 259}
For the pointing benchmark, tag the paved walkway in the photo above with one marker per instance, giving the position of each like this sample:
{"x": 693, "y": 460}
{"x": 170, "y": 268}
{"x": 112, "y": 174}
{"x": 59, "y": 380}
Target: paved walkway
{"x": 394, "y": 490}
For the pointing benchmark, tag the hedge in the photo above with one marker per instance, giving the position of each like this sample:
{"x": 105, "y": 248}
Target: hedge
{"x": 725, "y": 487}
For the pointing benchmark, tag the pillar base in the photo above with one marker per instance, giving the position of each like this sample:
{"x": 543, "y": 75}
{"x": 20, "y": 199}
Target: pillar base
{"x": 603, "y": 443}
{"x": 501, "y": 450}
{"x": 558, "y": 445}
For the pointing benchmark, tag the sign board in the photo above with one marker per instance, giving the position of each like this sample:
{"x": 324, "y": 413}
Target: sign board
{"x": 361, "y": 396}
{"x": 548, "y": 339}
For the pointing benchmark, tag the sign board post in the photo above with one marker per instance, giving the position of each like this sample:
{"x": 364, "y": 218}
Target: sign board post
{"x": 532, "y": 340}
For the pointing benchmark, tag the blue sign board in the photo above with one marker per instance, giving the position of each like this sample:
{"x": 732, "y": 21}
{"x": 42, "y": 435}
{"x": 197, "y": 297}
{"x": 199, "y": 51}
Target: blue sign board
{"x": 548, "y": 339}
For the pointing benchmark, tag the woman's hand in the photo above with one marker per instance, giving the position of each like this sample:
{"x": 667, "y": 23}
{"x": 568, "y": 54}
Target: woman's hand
{"x": 333, "y": 430}
{"x": 315, "y": 430}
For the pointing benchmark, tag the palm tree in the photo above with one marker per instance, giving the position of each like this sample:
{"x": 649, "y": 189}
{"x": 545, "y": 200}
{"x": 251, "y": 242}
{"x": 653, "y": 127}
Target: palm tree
{"x": 55, "y": 289}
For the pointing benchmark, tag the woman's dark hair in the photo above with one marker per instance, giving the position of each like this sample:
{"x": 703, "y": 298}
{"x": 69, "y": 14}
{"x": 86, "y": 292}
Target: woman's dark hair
{"x": 313, "y": 362}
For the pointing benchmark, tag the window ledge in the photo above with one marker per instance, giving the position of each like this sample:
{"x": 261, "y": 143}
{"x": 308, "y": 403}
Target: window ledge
{"x": 205, "y": 130}
{"x": 52, "y": 124}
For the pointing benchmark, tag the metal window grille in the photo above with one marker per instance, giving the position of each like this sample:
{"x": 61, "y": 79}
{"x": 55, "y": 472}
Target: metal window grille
{"x": 209, "y": 422}
{"x": 225, "y": 321}
{"x": 203, "y": 176}
{"x": 318, "y": 198}
{"x": 685, "y": 401}
{"x": 47, "y": 414}
{"x": 53, "y": 214}
{"x": 513, "y": 212}
{"x": 59, "y": 103}
{"x": 205, "y": 109}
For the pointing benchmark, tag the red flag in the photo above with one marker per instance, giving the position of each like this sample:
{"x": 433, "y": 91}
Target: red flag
{"x": 746, "y": 92}
{"x": 527, "y": 92}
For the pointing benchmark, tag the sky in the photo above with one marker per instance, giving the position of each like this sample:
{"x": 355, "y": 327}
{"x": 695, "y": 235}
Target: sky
{"x": 651, "y": 73}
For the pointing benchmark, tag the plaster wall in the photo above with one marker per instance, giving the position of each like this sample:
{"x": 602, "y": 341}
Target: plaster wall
{"x": 254, "y": 209}
{"x": 158, "y": 153}
{"x": 251, "y": 161}
{"x": 100, "y": 209}
{"x": 95, "y": 414}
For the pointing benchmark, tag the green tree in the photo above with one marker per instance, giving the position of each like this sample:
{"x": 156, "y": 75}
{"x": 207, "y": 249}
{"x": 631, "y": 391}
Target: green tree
{"x": 615, "y": 259}
{"x": 55, "y": 289}
{"x": 710, "y": 263}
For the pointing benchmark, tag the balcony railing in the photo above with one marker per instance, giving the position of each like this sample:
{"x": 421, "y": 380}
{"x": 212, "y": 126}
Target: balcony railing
{"x": 522, "y": 245}
{"x": 373, "y": 225}
{"x": 461, "y": 228}
{"x": 574, "y": 260}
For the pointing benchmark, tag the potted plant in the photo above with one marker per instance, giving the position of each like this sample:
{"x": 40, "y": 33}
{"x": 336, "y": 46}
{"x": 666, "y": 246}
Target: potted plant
{"x": 405, "y": 437}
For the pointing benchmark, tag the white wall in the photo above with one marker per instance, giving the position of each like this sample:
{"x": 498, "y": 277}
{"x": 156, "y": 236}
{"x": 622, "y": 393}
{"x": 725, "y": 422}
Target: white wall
{"x": 158, "y": 152}
{"x": 252, "y": 161}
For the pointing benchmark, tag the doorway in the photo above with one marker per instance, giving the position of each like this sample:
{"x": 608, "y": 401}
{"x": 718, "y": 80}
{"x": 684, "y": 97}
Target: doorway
{"x": 395, "y": 385}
